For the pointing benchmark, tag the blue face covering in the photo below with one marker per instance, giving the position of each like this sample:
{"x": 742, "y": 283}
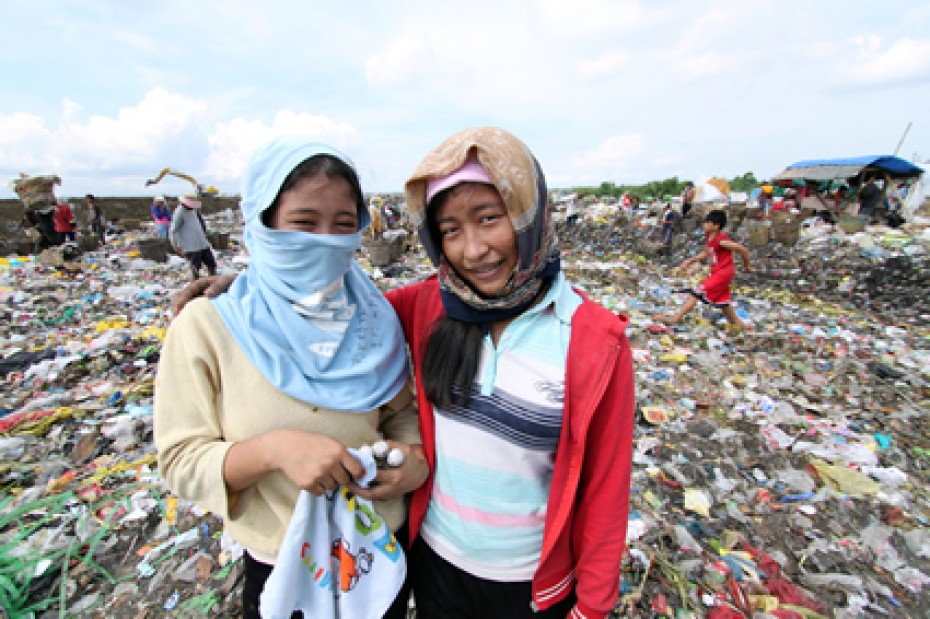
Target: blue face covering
{"x": 309, "y": 318}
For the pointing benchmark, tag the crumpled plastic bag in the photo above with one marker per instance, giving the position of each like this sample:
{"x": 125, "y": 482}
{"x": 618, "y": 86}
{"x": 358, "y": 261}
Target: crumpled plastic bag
{"x": 698, "y": 501}
{"x": 845, "y": 480}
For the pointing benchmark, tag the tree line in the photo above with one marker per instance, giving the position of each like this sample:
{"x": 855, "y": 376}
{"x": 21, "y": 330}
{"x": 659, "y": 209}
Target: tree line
{"x": 662, "y": 189}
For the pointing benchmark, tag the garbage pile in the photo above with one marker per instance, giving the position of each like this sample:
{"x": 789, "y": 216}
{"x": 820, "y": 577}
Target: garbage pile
{"x": 779, "y": 472}
{"x": 784, "y": 469}
{"x": 87, "y": 526}
{"x": 878, "y": 269}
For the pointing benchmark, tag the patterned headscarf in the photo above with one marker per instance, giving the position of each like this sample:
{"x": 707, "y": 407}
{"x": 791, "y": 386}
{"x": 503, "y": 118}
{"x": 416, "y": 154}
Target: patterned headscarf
{"x": 519, "y": 180}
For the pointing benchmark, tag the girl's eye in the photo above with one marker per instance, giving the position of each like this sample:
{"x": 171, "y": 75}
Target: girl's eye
{"x": 446, "y": 231}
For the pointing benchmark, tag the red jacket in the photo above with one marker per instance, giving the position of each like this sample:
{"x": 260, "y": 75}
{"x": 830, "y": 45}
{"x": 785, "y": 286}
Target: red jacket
{"x": 585, "y": 531}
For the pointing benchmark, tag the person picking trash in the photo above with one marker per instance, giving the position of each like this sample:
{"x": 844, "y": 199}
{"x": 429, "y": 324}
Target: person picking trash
{"x": 161, "y": 214}
{"x": 188, "y": 235}
{"x": 715, "y": 290}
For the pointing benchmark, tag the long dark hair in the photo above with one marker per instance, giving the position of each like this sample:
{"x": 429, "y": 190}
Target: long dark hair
{"x": 332, "y": 167}
{"x": 452, "y": 350}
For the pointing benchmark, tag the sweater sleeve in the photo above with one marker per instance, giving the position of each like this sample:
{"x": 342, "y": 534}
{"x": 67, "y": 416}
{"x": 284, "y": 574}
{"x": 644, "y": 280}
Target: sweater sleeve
{"x": 605, "y": 491}
{"x": 399, "y": 418}
{"x": 188, "y": 431}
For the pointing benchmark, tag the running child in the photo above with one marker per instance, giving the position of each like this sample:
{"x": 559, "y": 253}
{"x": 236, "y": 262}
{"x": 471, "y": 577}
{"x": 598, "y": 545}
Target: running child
{"x": 715, "y": 290}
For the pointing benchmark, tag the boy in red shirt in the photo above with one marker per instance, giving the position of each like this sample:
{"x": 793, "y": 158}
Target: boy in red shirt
{"x": 715, "y": 289}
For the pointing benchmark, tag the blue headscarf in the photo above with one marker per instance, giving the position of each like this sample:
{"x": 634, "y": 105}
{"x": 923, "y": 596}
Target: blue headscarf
{"x": 306, "y": 315}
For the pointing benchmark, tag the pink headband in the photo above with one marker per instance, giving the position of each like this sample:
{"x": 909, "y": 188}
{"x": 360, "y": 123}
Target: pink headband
{"x": 189, "y": 201}
{"x": 471, "y": 171}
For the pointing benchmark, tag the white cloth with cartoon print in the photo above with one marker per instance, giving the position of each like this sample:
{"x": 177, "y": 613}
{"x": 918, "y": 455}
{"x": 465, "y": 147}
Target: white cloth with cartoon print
{"x": 338, "y": 558}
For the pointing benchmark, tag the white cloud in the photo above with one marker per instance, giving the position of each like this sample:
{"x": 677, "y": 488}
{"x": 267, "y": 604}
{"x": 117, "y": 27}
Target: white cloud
{"x": 137, "y": 138}
{"x": 605, "y": 64}
{"x": 586, "y": 18}
{"x": 906, "y": 59}
{"x": 164, "y": 129}
{"x": 708, "y": 64}
{"x": 232, "y": 143}
{"x": 140, "y": 42}
{"x": 200, "y": 85}
{"x": 699, "y": 53}
{"x": 157, "y": 124}
{"x": 667, "y": 161}
{"x": 25, "y": 143}
{"x": 608, "y": 160}
{"x": 399, "y": 62}
{"x": 453, "y": 69}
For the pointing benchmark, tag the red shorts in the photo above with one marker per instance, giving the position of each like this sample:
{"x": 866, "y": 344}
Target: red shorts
{"x": 716, "y": 288}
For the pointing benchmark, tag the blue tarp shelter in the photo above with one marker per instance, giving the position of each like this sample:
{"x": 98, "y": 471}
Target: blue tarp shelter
{"x": 849, "y": 167}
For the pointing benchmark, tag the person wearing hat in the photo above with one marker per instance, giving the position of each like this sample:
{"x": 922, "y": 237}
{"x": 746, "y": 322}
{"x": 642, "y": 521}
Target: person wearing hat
{"x": 162, "y": 216}
{"x": 375, "y": 210}
{"x": 766, "y": 194}
{"x": 188, "y": 236}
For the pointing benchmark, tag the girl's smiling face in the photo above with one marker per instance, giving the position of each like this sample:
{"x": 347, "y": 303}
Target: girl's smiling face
{"x": 317, "y": 204}
{"x": 477, "y": 237}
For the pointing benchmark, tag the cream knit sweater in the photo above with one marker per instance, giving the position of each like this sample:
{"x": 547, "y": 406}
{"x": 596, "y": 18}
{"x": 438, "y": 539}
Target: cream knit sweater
{"x": 209, "y": 396}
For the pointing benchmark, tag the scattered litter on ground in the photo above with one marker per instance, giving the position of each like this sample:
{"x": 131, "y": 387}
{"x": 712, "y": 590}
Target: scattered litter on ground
{"x": 781, "y": 471}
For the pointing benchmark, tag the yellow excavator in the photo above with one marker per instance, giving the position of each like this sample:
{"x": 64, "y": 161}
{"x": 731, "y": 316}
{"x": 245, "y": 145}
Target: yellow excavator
{"x": 200, "y": 190}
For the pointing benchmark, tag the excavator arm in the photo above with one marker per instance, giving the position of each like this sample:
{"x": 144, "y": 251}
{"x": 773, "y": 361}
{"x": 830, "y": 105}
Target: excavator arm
{"x": 199, "y": 189}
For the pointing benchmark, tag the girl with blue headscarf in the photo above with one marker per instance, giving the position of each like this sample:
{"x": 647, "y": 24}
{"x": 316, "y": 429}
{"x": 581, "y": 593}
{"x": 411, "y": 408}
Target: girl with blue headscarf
{"x": 260, "y": 392}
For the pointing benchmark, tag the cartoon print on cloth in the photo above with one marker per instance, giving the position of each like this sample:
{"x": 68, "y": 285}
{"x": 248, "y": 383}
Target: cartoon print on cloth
{"x": 329, "y": 311}
{"x": 351, "y": 567}
{"x": 338, "y": 558}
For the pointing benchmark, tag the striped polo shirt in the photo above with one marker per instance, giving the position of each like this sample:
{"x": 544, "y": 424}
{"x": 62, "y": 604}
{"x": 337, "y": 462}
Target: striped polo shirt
{"x": 494, "y": 457}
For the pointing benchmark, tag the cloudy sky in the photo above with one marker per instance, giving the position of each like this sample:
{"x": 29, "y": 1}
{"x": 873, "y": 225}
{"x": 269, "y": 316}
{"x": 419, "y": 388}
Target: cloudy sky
{"x": 106, "y": 93}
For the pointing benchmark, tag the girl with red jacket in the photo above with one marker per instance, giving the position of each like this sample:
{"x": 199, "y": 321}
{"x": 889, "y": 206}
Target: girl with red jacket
{"x": 525, "y": 390}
